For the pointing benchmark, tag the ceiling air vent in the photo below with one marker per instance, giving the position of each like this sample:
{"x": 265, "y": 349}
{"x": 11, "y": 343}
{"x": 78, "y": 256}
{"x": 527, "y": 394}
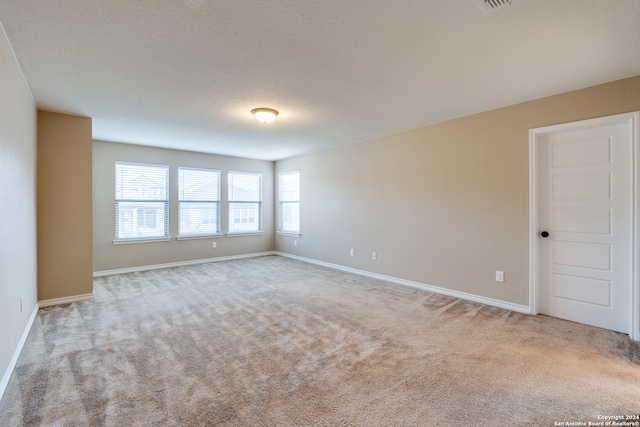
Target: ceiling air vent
{"x": 489, "y": 6}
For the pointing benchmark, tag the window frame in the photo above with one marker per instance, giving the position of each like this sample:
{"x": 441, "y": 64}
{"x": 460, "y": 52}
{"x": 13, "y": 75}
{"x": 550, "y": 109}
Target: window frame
{"x": 231, "y": 202}
{"x": 121, "y": 201}
{"x": 181, "y": 202}
{"x": 281, "y": 204}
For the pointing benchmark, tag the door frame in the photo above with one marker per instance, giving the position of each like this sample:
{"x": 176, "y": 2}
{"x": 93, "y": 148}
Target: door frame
{"x": 631, "y": 119}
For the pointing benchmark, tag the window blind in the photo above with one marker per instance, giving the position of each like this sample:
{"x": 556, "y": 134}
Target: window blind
{"x": 289, "y": 201}
{"x": 245, "y": 202}
{"x": 141, "y": 201}
{"x": 198, "y": 202}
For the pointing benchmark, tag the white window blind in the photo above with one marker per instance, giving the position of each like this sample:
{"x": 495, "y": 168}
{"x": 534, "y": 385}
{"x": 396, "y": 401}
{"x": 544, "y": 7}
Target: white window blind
{"x": 198, "y": 202}
{"x": 141, "y": 201}
{"x": 245, "y": 202}
{"x": 289, "y": 200}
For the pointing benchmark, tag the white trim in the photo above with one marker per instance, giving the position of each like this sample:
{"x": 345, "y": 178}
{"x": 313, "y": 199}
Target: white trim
{"x": 430, "y": 288}
{"x": 533, "y": 223}
{"x": 178, "y": 264}
{"x": 248, "y": 233}
{"x": 141, "y": 240}
{"x": 204, "y": 236}
{"x": 634, "y": 330}
{"x": 65, "y": 300}
{"x": 289, "y": 233}
{"x": 200, "y": 169}
{"x": 16, "y": 354}
{"x": 534, "y": 135}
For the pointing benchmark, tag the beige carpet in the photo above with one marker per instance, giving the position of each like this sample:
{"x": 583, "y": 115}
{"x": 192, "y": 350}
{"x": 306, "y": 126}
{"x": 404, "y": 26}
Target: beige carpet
{"x": 275, "y": 342}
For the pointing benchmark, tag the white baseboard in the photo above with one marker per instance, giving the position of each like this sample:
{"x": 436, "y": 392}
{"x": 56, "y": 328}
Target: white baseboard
{"x": 16, "y": 354}
{"x": 178, "y": 264}
{"x": 457, "y": 294}
{"x": 64, "y": 300}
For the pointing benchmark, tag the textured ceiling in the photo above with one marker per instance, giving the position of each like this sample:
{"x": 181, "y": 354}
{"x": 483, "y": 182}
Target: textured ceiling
{"x": 186, "y": 74}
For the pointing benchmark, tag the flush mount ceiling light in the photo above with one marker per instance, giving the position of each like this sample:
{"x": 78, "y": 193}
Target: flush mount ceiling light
{"x": 264, "y": 115}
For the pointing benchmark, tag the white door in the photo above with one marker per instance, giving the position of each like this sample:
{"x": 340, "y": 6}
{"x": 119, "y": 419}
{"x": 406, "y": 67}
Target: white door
{"x": 585, "y": 206}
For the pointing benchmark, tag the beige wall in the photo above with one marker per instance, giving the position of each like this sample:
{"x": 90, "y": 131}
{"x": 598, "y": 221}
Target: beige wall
{"x": 18, "y": 202}
{"x": 108, "y": 256}
{"x": 444, "y": 205}
{"x": 64, "y": 206}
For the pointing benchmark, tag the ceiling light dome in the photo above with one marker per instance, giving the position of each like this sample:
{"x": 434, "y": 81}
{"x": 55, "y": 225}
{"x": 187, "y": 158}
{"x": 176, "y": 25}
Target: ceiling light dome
{"x": 264, "y": 115}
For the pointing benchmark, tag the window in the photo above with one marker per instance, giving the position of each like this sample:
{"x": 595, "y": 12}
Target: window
{"x": 245, "y": 202}
{"x": 141, "y": 201}
{"x": 198, "y": 202}
{"x": 289, "y": 200}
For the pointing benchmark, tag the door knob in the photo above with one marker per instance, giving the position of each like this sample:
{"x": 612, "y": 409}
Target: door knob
{"x": 545, "y": 234}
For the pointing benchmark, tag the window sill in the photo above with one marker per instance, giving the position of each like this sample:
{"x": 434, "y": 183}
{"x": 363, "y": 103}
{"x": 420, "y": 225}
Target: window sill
{"x": 249, "y": 233}
{"x": 289, "y": 233}
{"x": 207, "y": 236}
{"x": 146, "y": 240}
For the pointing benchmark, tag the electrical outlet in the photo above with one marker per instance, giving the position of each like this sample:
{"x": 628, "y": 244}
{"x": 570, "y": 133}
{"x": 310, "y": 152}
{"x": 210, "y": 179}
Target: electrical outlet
{"x": 352, "y": 252}
{"x": 499, "y": 276}
{"x": 374, "y": 255}
{"x": 295, "y": 243}
{"x": 214, "y": 245}
{"x": 21, "y": 304}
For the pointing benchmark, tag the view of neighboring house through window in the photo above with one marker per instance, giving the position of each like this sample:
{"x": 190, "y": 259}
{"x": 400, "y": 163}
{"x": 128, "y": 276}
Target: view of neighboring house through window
{"x": 245, "y": 202}
{"x": 141, "y": 201}
{"x": 289, "y": 200}
{"x": 198, "y": 202}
